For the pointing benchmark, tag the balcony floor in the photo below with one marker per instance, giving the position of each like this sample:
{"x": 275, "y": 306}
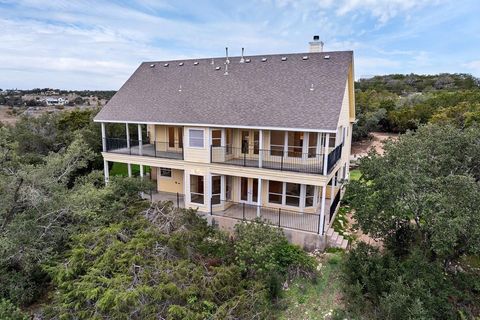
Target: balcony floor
{"x": 149, "y": 151}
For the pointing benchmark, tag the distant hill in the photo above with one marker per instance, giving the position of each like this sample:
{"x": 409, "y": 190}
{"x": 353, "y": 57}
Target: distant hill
{"x": 397, "y": 102}
{"x": 408, "y": 83}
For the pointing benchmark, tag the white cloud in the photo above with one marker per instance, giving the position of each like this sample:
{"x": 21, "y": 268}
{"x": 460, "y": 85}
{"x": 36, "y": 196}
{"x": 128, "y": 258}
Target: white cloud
{"x": 472, "y": 67}
{"x": 383, "y": 10}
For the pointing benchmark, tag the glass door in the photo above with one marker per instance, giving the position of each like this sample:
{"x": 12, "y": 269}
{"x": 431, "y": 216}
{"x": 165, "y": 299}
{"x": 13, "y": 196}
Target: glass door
{"x": 250, "y": 141}
{"x": 249, "y": 190}
{"x": 175, "y": 138}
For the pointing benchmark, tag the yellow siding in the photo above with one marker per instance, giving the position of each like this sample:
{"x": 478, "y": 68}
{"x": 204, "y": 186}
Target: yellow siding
{"x": 173, "y": 184}
{"x": 201, "y": 155}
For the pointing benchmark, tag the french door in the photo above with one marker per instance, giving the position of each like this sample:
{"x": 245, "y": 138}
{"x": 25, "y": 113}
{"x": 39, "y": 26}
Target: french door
{"x": 175, "y": 138}
{"x": 250, "y": 141}
{"x": 249, "y": 190}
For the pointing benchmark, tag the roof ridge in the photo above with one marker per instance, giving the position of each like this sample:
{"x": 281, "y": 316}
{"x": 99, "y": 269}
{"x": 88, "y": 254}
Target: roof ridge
{"x": 251, "y": 56}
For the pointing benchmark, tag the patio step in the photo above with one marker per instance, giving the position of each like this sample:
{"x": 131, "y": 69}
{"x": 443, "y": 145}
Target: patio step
{"x": 330, "y": 232}
{"x": 335, "y": 240}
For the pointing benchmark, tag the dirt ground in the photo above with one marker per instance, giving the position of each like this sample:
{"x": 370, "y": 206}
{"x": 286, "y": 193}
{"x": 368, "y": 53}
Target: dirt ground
{"x": 5, "y": 117}
{"x": 361, "y": 148}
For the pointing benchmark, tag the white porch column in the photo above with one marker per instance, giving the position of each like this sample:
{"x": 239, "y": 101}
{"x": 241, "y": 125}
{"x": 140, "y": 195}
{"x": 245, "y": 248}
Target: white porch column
{"x": 129, "y": 166}
{"x": 105, "y": 171}
{"x": 260, "y": 147}
{"x": 104, "y": 138}
{"x": 332, "y": 191}
{"x": 223, "y": 184}
{"x": 128, "y": 136}
{"x": 325, "y": 156}
{"x": 322, "y": 209}
{"x": 259, "y": 197}
{"x": 140, "y": 146}
{"x": 208, "y": 192}
{"x": 141, "y": 171}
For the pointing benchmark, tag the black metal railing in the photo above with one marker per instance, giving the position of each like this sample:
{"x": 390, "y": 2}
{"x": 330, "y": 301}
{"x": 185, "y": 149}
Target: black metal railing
{"x": 274, "y": 216}
{"x": 277, "y": 159}
{"x": 157, "y": 149}
{"x": 333, "y": 206}
{"x": 333, "y": 157}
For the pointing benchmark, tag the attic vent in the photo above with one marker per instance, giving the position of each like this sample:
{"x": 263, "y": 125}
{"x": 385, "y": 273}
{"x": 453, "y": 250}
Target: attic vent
{"x": 305, "y": 58}
{"x": 247, "y": 60}
{"x": 180, "y": 64}
{"x": 152, "y": 65}
{"x": 195, "y": 63}
{"x": 264, "y": 59}
{"x": 217, "y": 68}
{"x": 326, "y": 57}
{"x": 284, "y": 58}
{"x": 165, "y": 65}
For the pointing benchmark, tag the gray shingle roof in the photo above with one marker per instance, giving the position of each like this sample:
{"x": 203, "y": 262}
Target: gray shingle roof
{"x": 273, "y": 93}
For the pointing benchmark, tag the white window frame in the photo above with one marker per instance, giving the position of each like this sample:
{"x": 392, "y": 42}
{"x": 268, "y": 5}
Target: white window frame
{"x": 197, "y": 193}
{"x": 303, "y": 193}
{"x": 196, "y": 139}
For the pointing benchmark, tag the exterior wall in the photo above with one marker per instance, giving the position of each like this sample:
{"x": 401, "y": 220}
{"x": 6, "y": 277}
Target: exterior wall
{"x": 307, "y": 240}
{"x": 172, "y": 184}
{"x": 193, "y": 154}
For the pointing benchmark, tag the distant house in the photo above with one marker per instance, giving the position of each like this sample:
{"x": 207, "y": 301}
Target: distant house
{"x": 56, "y": 101}
{"x": 243, "y": 137}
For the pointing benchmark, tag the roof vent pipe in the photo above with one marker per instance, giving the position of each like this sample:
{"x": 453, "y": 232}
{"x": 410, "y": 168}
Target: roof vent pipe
{"x": 316, "y": 45}
{"x": 242, "y": 59}
{"x": 226, "y": 61}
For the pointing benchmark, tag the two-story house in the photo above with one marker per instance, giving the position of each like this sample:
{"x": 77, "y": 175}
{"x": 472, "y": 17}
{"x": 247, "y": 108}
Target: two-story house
{"x": 242, "y": 137}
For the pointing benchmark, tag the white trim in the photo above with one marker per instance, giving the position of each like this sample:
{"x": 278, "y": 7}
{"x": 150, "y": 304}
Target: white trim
{"x": 218, "y": 126}
{"x": 140, "y": 142}
{"x": 127, "y": 130}
{"x": 259, "y": 195}
{"x": 104, "y": 138}
{"x": 322, "y": 209}
{"x": 106, "y": 173}
{"x": 325, "y": 156}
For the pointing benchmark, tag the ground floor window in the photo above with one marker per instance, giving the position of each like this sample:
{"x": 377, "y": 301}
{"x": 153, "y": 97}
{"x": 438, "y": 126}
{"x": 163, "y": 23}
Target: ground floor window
{"x": 291, "y": 194}
{"x": 166, "y": 172}
{"x": 196, "y": 189}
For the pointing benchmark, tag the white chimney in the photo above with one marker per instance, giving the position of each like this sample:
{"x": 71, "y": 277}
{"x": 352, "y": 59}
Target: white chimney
{"x": 316, "y": 45}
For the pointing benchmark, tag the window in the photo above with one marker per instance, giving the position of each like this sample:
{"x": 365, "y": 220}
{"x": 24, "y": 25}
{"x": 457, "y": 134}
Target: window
{"x": 275, "y": 192}
{"x": 229, "y": 136}
{"x": 196, "y": 189}
{"x": 331, "y": 143}
{"x": 312, "y": 144}
{"x": 295, "y": 144}
{"x": 309, "y": 193}
{"x": 216, "y": 138}
{"x": 292, "y": 194}
{"x": 256, "y": 142}
{"x": 195, "y": 138}
{"x": 166, "y": 172}
{"x": 245, "y": 141}
{"x": 277, "y": 143}
{"x": 228, "y": 187}
{"x": 216, "y": 189}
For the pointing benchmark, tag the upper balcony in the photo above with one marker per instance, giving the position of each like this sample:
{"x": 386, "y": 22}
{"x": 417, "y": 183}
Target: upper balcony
{"x": 157, "y": 149}
{"x": 291, "y": 159}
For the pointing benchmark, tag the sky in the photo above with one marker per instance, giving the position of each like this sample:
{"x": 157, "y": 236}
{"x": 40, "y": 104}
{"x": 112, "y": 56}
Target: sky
{"x": 98, "y": 44}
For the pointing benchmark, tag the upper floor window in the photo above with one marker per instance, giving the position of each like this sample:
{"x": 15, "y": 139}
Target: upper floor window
{"x": 216, "y": 138}
{"x": 195, "y": 138}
